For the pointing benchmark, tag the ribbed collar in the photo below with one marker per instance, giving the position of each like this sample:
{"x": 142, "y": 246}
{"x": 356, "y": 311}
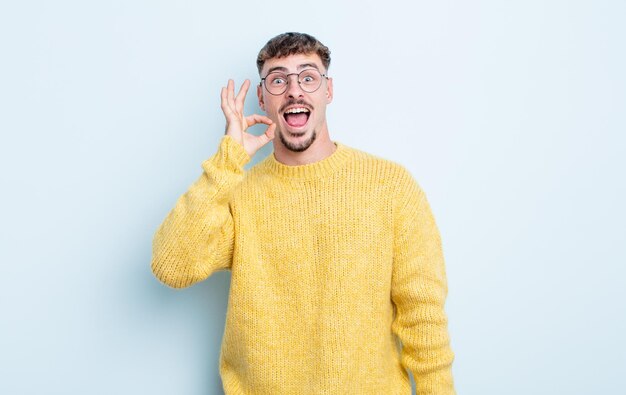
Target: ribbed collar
{"x": 319, "y": 169}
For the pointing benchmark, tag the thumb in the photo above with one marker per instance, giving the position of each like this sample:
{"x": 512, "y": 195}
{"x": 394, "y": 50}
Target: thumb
{"x": 261, "y": 140}
{"x": 270, "y": 132}
{"x": 266, "y": 137}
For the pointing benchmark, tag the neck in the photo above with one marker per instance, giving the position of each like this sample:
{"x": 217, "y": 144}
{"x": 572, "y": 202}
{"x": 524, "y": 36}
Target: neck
{"x": 321, "y": 148}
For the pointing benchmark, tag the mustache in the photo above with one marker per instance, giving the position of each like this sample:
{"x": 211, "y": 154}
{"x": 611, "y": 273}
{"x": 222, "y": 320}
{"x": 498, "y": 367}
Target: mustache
{"x": 293, "y": 102}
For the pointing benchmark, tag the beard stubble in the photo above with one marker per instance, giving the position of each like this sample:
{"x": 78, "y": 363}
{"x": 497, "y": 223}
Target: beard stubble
{"x": 297, "y": 147}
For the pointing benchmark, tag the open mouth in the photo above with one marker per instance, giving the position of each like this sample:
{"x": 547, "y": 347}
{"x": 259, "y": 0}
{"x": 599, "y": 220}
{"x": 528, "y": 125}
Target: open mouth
{"x": 297, "y": 117}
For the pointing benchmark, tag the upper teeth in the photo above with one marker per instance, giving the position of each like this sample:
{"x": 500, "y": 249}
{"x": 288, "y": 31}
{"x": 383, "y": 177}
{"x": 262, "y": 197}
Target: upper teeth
{"x": 296, "y": 110}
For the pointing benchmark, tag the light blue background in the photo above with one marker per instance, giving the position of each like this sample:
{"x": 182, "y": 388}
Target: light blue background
{"x": 510, "y": 114}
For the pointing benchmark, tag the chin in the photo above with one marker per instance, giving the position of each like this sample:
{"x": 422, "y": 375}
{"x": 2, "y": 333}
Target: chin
{"x": 297, "y": 143}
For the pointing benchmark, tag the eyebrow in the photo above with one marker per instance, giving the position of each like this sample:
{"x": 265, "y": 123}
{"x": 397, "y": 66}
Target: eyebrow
{"x": 305, "y": 65}
{"x": 300, "y": 67}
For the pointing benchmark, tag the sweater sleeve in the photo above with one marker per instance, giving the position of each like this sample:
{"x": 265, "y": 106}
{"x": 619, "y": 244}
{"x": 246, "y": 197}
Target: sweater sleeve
{"x": 419, "y": 290}
{"x": 197, "y": 236}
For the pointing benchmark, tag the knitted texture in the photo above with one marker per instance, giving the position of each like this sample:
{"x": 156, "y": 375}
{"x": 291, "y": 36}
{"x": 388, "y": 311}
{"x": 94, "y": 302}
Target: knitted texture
{"x": 337, "y": 273}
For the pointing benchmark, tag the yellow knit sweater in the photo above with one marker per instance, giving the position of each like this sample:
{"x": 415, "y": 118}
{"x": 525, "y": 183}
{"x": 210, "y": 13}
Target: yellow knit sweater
{"x": 329, "y": 261}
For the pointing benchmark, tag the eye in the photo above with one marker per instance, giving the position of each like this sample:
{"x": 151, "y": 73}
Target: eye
{"x": 309, "y": 77}
{"x": 278, "y": 81}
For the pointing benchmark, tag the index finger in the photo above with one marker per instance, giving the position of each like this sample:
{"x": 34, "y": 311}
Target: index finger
{"x": 257, "y": 118}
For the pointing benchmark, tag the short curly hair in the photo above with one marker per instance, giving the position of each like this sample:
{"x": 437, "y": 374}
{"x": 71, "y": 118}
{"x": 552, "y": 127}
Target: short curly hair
{"x": 292, "y": 43}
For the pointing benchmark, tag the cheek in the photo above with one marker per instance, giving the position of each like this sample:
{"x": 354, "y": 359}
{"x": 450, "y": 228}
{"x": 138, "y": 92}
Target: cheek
{"x": 271, "y": 107}
{"x": 272, "y": 113}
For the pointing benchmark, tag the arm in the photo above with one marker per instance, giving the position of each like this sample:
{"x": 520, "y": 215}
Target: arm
{"x": 197, "y": 236}
{"x": 418, "y": 290}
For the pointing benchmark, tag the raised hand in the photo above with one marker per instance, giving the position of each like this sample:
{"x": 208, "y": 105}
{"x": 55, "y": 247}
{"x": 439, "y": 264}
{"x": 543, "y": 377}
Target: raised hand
{"x": 237, "y": 123}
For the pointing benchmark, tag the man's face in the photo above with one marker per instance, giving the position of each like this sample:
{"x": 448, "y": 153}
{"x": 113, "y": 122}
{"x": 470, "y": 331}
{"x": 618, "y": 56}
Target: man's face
{"x": 300, "y": 116}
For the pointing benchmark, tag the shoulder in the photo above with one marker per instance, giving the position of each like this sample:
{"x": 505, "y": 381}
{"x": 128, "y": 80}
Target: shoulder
{"x": 386, "y": 170}
{"x": 405, "y": 191}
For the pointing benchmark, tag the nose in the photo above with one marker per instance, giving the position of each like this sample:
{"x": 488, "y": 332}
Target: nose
{"x": 293, "y": 87}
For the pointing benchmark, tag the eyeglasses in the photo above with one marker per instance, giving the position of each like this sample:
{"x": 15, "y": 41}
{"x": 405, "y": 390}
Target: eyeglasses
{"x": 309, "y": 80}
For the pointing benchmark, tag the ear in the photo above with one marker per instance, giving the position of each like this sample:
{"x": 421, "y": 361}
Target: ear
{"x": 259, "y": 93}
{"x": 329, "y": 90}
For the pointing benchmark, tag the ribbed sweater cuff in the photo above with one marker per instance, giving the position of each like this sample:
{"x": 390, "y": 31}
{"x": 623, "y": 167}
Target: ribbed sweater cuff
{"x": 230, "y": 155}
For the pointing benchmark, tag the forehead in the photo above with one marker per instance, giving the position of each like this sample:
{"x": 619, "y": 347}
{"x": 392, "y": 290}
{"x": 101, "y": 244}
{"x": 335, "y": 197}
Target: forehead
{"x": 293, "y": 63}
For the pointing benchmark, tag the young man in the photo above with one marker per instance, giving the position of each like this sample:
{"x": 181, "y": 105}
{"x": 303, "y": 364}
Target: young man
{"x": 334, "y": 253}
